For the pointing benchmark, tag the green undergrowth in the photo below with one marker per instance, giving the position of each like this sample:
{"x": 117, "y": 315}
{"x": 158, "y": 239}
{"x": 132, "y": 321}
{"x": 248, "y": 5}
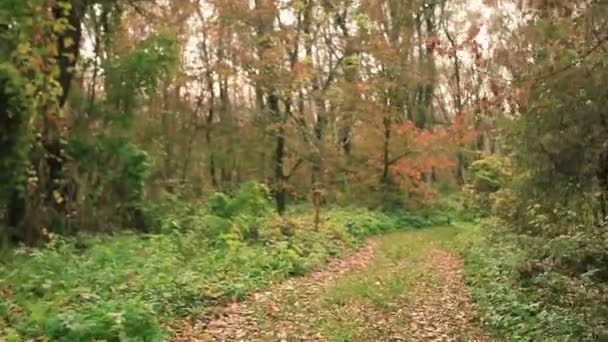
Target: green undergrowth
{"x": 517, "y": 300}
{"x": 128, "y": 286}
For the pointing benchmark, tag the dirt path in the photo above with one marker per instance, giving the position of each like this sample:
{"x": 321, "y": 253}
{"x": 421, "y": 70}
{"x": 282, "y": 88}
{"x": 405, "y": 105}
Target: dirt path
{"x": 401, "y": 287}
{"x": 441, "y": 309}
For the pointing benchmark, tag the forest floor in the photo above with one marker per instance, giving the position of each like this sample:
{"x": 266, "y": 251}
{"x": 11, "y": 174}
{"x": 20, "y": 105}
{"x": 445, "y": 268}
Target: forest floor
{"x": 404, "y": 286}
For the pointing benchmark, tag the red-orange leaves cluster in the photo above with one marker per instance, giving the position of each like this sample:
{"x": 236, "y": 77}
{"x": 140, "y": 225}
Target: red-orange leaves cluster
{"x": 462, "y": 130}
{"x": 428, "y": 150}
{"x": 426, "y": 153}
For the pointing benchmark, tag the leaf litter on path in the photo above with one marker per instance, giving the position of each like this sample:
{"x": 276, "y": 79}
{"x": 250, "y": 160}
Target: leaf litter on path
{"x": 434, "y": 307}
{"x": 251, "y": 319}
{"x": 440, "y": 308}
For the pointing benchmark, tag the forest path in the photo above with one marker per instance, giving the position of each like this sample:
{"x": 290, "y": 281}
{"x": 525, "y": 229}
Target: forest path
{"x": 399, "y": 287}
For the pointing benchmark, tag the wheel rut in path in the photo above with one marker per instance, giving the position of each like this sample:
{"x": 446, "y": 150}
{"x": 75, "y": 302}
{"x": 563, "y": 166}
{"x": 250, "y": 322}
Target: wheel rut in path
{"x": 440, "y": 308}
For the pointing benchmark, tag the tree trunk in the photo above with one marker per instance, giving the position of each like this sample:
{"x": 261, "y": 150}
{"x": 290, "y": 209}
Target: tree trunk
{"x": 280, "y": 191}
{"x": 386, "y": 151}
{"x": 211, "y": 157}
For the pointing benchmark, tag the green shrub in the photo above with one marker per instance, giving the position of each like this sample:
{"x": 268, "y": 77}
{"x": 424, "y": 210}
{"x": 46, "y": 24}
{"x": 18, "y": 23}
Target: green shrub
{"x": 248, "y": 211}
{"x": 360, "y": 223}
{"x": 519, "y": 298}
{"x": 248, "y": 227}
{"x": 252, "y": 199}
{"x": 506, "y": 205}
{"x": 487, "y": 176}
{"x": 135, "y": 169}
{"x": 209, "y": 226}
{"x": 106, "y": 321}
{"x": 287, "y": 259}
{"x": 219, "y": 205}
{"x": 408, "y": 220}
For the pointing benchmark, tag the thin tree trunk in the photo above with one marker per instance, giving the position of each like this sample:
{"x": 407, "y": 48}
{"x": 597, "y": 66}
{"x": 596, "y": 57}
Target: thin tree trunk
{"x": 386, "y": 151}
{"x": 280, "y": 191}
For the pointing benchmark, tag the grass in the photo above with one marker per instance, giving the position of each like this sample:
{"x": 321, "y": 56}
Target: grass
{"x": 386, "y": 279}
{"x": 394, "y": 268}
{"x": 383, "y": 288}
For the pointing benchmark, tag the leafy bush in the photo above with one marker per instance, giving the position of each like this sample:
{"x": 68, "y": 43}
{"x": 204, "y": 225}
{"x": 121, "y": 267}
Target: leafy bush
{"x": 487, "y": 176}
{"x": 219, "y": 204}
{"x": 360, "y": 223}
{"x": 506, "y": 205}
{"x": 252, "y": 199}
{"x": 166, "y": 212}
{"x": 248, "y": 227}
{"x": 106, "y": 321}
{"x": 135, "y": 168}
{"x": 518, "y": 298}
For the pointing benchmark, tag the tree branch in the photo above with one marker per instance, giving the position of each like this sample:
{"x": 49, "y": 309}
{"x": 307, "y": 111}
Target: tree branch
{"x": 571, "y": 65}
{"x": 294, "y": 168}
{"x": 401, "y": 156}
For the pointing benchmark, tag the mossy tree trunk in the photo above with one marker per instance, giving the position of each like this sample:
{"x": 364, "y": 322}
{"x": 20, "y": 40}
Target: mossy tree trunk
{"x": 14, "y": 147}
